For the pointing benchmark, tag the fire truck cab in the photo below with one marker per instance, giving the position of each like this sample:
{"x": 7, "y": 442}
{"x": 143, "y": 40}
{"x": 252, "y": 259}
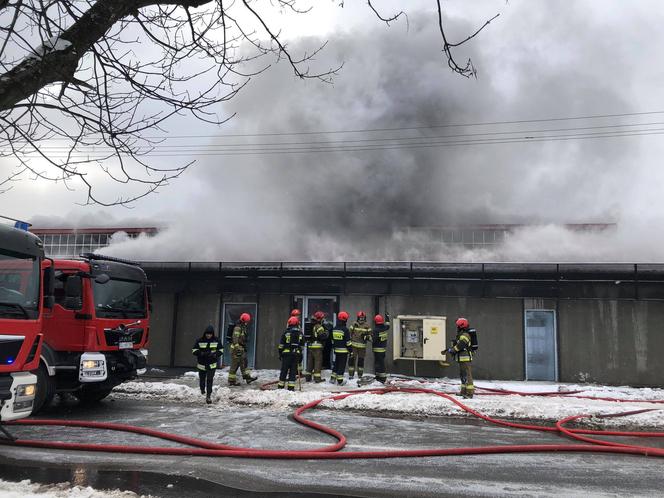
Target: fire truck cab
{"x": 22, "y": 302}
{"x": 96, "y": 335}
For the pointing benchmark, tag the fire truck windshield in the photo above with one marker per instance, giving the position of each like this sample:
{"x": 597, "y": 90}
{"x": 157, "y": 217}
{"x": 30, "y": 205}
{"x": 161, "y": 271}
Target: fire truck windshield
{"x": 19, "y": 286}
{"x": 119, "y": 299}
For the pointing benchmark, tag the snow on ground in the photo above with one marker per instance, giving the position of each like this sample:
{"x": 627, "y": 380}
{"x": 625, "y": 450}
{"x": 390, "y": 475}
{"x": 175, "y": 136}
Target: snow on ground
{"x": 530, "y": 407}
{"x": 27, "y": 489}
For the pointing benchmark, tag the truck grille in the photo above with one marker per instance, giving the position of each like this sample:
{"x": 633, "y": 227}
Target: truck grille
{"x": 114, "y": 337}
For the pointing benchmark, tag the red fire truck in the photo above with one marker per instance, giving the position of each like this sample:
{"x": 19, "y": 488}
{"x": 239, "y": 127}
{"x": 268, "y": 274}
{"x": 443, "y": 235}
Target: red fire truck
{"x": 22, "y": 289}
{"x": 96, "y": 334}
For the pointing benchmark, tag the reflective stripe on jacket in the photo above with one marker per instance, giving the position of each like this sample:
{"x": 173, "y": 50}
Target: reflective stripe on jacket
{"x": 207, "y": 352}
{"x": 340, "y": 339}
{"x": 360, "y": 333}
{"x": 316, "y": 332}
{"x": 462, "y": 347}
{"x": 379, "y": 337}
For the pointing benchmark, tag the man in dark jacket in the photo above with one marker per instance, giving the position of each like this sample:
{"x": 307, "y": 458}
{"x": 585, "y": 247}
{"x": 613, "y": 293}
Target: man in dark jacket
{"x": 207, "y": 349}
{"x": 341, "y": 344}
{"x": 290, "y": 353}
{"x": 379, "y": 345}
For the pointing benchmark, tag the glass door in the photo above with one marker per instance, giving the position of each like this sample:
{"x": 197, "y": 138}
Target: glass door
{"x": 541, "y": 348}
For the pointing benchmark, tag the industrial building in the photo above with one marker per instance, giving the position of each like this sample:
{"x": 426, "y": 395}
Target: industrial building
{"x": 559, "y": 322}
{"x": 537, "y": 321}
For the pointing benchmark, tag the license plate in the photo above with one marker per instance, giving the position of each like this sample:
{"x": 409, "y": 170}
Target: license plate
{"x": 125, "y": 344}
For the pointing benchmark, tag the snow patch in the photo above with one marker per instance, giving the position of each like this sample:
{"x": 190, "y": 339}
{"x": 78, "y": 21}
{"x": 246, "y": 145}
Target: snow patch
{"x": 528, "y": 407}
{"x": 27, "y": 489}
{"x": 53, "y": 44}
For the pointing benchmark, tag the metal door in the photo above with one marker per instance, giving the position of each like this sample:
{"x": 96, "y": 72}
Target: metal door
{"x": 541, "y": 347}
{"x": 232, "y": 312}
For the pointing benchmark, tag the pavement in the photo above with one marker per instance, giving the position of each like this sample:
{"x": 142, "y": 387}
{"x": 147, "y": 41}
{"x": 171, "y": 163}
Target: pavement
{"x": 550, "y": 474}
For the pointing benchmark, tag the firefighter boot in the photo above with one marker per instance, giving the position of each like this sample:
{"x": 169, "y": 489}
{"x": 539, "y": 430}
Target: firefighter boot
{"x": 291, "y": 388}
{"x": 307, "y": 377}
{"x": 208, "y": 400}
{"x": 249, "y": 380}
{"x": 463, "y": 391}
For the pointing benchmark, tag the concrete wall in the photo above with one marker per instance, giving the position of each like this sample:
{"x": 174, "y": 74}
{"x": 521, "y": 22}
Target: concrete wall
{"x": 161, "y": 328}
{"x": 499, "y": 323}
{"x": 273, "y": 312}
{"x": 613, "y": 342}
{"x": 606, "y": 340}
{"x": 196, "y": 310}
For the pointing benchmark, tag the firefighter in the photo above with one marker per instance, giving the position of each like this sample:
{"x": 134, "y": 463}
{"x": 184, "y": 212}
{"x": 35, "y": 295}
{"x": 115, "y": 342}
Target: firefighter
{"x": 207, "y": 349}
{"x": 461, "y": 351}
{"x": 290, "y": 353}
{"x": 239, "y": 352}
{"x": 379, "y": 345}
{"x": 360, "y": 333}
{"x": 319, "y": 336}
{"x": 341, "y": 345}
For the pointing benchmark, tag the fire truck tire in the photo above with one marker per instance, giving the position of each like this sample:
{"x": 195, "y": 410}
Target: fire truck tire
{"x": 87, "y": 395}
{"x": 45, "y": 389}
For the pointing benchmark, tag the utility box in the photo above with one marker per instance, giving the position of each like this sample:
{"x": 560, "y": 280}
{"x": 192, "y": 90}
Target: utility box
{"x": 419, "y": 337}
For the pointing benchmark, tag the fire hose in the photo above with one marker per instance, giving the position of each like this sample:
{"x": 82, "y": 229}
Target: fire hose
{"x": 199, "y": 447}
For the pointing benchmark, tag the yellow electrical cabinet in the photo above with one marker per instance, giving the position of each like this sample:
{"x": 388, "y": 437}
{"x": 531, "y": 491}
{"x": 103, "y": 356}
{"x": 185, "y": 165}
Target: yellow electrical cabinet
{"x": 419, "y": 337}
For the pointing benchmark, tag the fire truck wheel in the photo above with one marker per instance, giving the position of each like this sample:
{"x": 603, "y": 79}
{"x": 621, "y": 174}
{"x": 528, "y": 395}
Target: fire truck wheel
{"x": 87, "y": 395}
{"x": 45, "y": 389}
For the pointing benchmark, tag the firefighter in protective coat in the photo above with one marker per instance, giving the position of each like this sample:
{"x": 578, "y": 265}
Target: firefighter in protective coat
{"x": 290, "y": 353}
{"x": 207, "y": 349}
{"x": 462, "y": 352}
{"x": 239, "y": 352}
{"x": 341, "y": 345}
{"x": 379, "y": 345}
{"x": 319, "y": 336}
{"x": 360, "y": 333}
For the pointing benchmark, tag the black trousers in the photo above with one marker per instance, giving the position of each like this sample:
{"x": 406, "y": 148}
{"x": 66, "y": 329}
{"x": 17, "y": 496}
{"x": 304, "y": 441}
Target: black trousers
{"x": 340, "y": 360}
{"x": 379, "y": 365}
{"x": 289, "y": 363}
{"x": 206, "y": 378}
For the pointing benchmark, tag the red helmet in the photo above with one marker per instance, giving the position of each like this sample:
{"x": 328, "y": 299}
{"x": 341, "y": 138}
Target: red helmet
{"x": 379, "y": 320}
{"x": 343, "y": 316}
{"x": 245, "y": 317}
{"x": 361, "y": 314}
{"x": 319, "y": 315}
{"x": 293, "y": 321}
{"x": 462, "y": 323}
{"x": 295, "y": 312}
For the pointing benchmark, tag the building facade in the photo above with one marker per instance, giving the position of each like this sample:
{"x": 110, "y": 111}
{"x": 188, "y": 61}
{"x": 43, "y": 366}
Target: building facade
{"x": 559, "y": 322}
{"x": 71, "y": 242}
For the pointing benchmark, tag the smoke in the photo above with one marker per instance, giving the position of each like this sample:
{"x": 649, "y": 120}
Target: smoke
{"x": 535, "y": 63}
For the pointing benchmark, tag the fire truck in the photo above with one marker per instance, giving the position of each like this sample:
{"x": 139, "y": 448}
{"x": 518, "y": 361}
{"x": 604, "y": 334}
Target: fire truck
{"x": 24, "y": 296}
{"x": 96, "y": 334}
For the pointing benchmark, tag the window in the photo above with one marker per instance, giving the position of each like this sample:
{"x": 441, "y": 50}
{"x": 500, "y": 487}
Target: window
{"x": 68, "y": 290}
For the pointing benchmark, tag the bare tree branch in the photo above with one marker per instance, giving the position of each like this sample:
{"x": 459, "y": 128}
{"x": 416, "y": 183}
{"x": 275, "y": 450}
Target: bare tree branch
{"x": 82, "y": 81}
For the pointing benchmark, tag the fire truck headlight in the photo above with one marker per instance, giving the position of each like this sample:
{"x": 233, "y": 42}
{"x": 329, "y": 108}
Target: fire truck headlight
{"x": 90, "y": 364}
{"x": 26, "y": 390}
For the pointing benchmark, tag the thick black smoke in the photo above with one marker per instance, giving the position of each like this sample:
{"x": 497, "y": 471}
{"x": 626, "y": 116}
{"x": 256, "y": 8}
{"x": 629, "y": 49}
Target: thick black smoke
{"x": 542, "y": 63}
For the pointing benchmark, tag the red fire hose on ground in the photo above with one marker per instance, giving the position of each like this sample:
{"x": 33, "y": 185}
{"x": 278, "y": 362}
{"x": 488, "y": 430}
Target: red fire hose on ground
{"x": 198, "y": 447}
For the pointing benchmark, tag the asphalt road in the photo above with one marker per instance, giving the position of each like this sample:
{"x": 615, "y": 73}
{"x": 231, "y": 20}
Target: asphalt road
{"x": 555, "y": 474}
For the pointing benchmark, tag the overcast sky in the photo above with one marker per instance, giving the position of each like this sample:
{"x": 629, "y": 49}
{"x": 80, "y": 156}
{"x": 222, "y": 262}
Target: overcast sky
{"x": 540, "y": 59}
